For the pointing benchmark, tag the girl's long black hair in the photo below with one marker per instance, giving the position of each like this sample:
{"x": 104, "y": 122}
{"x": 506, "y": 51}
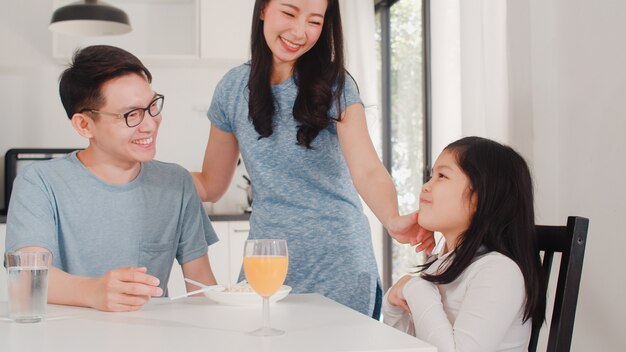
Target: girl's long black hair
{"x": 319, "y": 75}
{"x": 504, "y": 220}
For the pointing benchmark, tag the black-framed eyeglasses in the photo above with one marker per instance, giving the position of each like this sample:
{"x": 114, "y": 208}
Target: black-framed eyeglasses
{"x": 135, "y": 116}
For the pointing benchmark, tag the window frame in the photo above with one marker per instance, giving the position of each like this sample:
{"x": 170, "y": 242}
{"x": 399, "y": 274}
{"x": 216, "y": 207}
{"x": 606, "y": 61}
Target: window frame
{"x": 382, "y": 7}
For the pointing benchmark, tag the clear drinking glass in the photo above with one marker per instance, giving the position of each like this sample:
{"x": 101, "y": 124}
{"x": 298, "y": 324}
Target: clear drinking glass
{"x": 27, "y": 274}
{"x": 265, "y": 263}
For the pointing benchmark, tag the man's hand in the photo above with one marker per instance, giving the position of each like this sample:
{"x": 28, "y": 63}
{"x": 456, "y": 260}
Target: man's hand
{"x": 405, "y": 229}
{"x": 123, "y": 289}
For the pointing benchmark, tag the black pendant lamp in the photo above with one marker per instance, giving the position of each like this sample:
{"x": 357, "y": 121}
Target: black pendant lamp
{"x": 89, "y": 18}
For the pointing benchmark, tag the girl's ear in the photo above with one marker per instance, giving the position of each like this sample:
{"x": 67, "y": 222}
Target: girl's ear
{"x": 262, "y": 15}
{"x": 83, "y": 124}
{"x": 473, "y": 201}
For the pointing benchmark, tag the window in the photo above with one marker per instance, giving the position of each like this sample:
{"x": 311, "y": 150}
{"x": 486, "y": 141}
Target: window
{"x": 401, "y": 47}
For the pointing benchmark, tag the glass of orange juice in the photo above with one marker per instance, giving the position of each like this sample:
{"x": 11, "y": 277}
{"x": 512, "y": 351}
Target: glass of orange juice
{"x": 265, "y": 264}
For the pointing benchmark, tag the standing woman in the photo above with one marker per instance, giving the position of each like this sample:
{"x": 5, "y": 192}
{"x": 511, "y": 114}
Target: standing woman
{"x": 296, "y": 117}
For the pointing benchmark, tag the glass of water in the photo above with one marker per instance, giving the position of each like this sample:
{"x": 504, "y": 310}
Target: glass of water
{"x": 27, "y": 274}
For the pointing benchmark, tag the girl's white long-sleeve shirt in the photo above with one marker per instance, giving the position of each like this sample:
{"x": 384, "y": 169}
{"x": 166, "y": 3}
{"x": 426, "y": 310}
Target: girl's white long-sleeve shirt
{"x": 482, "y": 310}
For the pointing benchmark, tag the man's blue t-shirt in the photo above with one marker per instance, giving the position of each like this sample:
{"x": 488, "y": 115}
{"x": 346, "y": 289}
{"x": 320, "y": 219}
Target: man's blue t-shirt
{"x": 92, "y": 227}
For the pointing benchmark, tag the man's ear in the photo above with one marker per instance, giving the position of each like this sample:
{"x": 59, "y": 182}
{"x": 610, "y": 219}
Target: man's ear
{"x": 83, "y": 124}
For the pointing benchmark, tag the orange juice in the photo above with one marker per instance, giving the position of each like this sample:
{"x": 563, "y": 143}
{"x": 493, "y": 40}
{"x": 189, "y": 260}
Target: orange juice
{"x": 265, "y": 273}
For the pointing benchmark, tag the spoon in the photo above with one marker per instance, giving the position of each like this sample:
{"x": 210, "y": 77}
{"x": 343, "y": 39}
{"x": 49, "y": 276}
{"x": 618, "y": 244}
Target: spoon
{"x": 194, "y": 282}
{"x": 206, "y": 288}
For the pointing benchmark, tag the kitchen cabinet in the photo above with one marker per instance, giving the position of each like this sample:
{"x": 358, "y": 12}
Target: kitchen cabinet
{"x": 226, "y": 256}
{"x": 237, "y": 236}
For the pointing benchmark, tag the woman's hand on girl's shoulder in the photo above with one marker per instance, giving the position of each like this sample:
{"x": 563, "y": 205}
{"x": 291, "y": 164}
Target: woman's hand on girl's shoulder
{"x": 396, "y": 296}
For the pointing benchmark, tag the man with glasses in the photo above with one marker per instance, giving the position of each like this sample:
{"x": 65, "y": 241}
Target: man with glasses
{"x": 113, "y": 218}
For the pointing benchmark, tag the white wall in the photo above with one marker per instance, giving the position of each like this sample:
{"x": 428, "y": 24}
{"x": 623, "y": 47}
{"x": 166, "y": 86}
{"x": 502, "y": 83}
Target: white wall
{"x": 570, "y": 82}
{"x": 559, "y": 100}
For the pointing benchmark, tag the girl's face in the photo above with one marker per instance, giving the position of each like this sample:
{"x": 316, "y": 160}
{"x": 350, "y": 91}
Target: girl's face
{"x": 446, "y": 201}
{"x": 292, "y": 27}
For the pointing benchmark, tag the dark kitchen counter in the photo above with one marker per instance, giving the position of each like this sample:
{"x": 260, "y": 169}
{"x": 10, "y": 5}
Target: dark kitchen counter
{"x": 230, "y": 217}
{"x": 213, "y": 217}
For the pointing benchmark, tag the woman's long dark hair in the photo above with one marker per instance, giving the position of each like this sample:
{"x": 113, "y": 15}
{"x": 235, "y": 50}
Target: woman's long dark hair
{"x": 319, "y": 75}
{"x": 504, "y": 220}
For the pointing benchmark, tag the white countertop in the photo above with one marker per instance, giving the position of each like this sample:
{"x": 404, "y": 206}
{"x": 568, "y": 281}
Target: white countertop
{"x": 312, "y": 323}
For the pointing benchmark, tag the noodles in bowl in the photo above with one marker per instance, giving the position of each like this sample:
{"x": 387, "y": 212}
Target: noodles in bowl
{"x": 242, "y": 295}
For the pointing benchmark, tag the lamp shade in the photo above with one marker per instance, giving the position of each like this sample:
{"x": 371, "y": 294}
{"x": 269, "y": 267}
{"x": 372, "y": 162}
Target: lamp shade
{"x": 89, "y": 18}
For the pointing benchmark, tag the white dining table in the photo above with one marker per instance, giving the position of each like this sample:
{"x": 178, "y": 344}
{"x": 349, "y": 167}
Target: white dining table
{"x": 311, "y": 323}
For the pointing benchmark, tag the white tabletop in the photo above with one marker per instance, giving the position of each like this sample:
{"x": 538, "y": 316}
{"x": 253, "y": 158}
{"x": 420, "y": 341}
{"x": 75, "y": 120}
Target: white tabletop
{"x": 312, "y": 323}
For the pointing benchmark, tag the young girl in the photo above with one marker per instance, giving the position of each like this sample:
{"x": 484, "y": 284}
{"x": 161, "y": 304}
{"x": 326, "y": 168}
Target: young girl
{"x": 486, "y": 288}
{"x": 295, "y": 116}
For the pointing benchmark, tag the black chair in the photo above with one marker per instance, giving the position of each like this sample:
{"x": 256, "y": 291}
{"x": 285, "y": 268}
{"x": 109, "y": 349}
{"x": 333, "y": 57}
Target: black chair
{"x": 570, "y": 241}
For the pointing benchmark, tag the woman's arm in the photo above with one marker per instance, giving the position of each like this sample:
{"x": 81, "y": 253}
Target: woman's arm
{"x": 369, "y": 176}
{"x": 372, "y": 180}
{"x": 218, "y": 167}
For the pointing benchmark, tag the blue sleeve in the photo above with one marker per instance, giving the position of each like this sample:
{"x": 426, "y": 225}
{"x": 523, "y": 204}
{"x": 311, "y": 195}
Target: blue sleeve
{"x": 349, "y": 96}
{"x": 32, "y": 217}
{"x": 197, "y": 231}
{"x": 217, "y": 110}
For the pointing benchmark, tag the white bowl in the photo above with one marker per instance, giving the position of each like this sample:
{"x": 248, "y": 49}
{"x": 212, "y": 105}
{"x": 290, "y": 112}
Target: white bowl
{"x": 217, "y": 294}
